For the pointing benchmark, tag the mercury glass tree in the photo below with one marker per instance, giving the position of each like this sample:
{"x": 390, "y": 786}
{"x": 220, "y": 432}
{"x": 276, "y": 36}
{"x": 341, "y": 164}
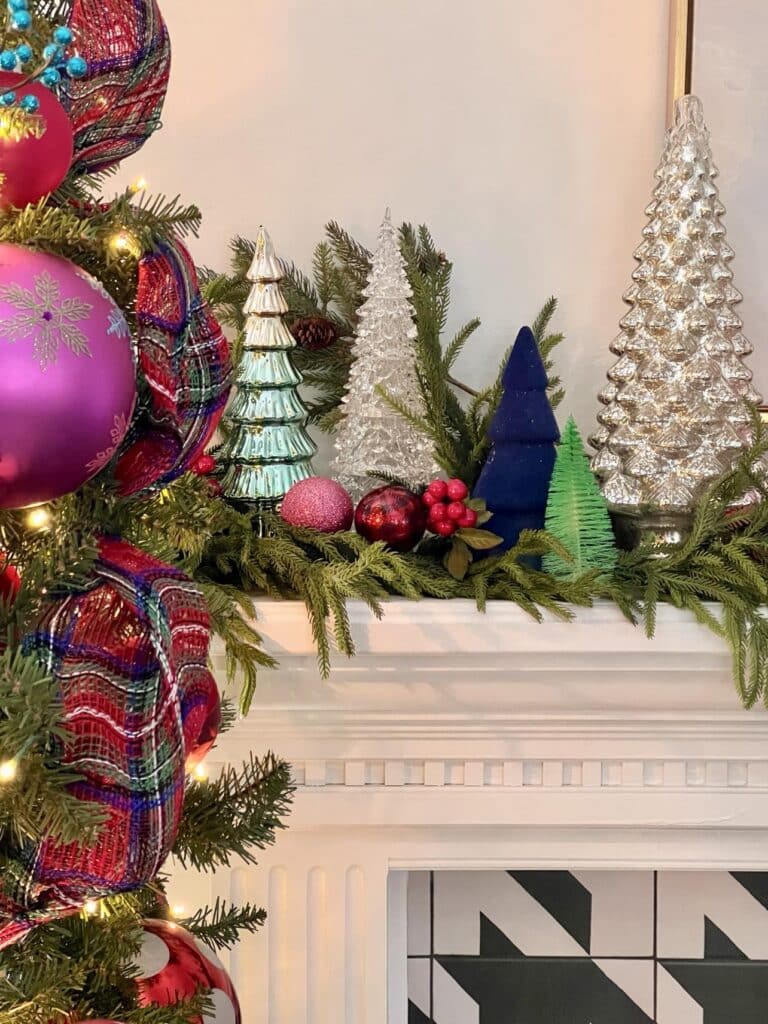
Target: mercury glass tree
{"x": 267, "y": 447}
{"x": 372, "y": 436}
{"x": 676, "y": 410}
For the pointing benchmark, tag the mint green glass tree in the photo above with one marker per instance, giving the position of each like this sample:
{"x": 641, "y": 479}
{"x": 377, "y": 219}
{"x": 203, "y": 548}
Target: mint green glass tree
{"x": 267, "y": 449}
{"x": 577, "y": 514}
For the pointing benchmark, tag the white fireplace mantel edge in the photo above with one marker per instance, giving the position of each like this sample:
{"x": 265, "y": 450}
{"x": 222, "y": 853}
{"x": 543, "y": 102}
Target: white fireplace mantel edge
{"x": 461, "y": 740}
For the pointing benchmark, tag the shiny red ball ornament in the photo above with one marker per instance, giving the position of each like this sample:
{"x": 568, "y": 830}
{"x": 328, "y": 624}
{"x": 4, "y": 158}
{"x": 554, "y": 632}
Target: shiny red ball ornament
{"x": 392, "y": 514}
{"x": 173, "y": 965}
{"x": 204, "y": 465}
{"x": 318, "y": 503}
{"x": 36, "y": 163}
{"x": 98, "y": 1020}
{"x": 10, "y": 581}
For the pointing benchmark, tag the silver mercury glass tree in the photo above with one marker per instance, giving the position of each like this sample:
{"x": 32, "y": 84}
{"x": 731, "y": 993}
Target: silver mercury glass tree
{"x": 676, "y": 410}
{"x": 372, "y": 436}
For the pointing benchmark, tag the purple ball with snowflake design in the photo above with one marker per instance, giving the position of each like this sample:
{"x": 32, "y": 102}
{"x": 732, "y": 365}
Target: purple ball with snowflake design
{"x": 67, "y": 376}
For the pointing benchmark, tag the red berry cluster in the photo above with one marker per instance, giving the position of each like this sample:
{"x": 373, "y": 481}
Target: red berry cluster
{"x": 448, "y": 512}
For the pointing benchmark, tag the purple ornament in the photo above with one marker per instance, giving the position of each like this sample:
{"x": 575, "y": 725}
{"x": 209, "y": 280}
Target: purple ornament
{"x": 67, "y": 376}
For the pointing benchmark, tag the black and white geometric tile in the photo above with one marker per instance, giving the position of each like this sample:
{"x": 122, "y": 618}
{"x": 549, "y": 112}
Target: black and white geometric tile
{"x": 580, "y": 947}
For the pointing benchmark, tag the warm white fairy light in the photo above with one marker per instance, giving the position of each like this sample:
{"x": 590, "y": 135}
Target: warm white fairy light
{"x": 140, "y": 184}
{"x": 38, "y": 518}
{"x": 8, "y": 770}
{"x": 90, "y": 907}
{"x": 122, "y": 244}
{"x": 178, "y": 910}
{"x": 200, "y": 772}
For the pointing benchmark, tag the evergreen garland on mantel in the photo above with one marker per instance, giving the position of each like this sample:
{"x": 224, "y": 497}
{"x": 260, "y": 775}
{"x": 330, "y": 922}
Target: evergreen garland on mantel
{"x": 724, "y": 559}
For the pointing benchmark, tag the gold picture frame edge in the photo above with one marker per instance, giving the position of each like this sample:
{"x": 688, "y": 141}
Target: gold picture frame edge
{"x": 680, "y": 51}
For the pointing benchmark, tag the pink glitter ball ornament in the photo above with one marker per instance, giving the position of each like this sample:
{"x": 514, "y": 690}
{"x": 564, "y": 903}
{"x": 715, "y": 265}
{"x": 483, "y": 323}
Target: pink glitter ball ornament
{"x": 67, "y": 376}
{"x": 318, "y": 503}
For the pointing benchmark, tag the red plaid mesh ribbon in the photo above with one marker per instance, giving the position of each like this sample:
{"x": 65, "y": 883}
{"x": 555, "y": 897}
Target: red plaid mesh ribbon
{"x": 131, "y": 659}
{"x": 117, "y": 106}
{"x": 185, "y": 361}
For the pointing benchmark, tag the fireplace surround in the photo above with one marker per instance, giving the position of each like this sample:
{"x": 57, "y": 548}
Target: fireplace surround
{"x": 465, "y": 741}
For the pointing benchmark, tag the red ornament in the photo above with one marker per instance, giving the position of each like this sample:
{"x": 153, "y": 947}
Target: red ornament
{"x": 318, "y": 503}
{"x": 392, "y": 514}
{"x": 10, "y": 581}
{"x": 173, "y": 965}
{"x": 446, "y": 527}
{"x": 457, "y": 490}
{"x": 37, "y": 163}
{"x": 204, "y": 465}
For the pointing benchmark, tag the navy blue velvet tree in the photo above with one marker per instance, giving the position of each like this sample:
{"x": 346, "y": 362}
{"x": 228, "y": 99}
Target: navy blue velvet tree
{"x": 515, "y": 478}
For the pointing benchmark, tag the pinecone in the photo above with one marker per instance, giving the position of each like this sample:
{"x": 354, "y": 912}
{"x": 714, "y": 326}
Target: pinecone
{"x": 314, "y": 332}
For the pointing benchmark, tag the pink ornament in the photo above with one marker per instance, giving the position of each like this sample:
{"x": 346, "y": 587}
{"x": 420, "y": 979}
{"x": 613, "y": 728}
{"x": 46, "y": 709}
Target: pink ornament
{"x": 67, "y": 376}
{"x": 318, "y": 503}
{"x": 37, "y": 163}
{"x": 174, "y": 965}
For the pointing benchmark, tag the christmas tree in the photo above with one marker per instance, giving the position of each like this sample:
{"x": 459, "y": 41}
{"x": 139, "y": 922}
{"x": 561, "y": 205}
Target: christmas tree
{"x": 267, "y": 449}
{"x": 373, "y": 437}
{"x": 515, "y": 478}
{"x": 576, "y": 513}
{"x": 677, "y": 407}
{"x": 113, "y": 377}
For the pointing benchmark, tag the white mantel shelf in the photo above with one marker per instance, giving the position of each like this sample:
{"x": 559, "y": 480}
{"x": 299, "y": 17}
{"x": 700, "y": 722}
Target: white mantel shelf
{"x": 456, "y": 739}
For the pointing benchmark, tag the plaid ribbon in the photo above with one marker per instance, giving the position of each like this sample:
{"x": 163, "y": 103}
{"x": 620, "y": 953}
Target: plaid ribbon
{"x": 116, "y": 107}
{"x": 131, "y": 658}
{"x": 185, "y": 362}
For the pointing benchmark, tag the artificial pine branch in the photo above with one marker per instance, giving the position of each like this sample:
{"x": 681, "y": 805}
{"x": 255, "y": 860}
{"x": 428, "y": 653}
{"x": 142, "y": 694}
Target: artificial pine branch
{"x": 233, "y": 815}
{"x": 219, "y": 926}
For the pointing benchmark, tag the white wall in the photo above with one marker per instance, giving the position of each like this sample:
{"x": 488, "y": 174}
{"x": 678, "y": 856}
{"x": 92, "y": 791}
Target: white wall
{"x": 525, "y": 134}
{"x": 730, "y": 74}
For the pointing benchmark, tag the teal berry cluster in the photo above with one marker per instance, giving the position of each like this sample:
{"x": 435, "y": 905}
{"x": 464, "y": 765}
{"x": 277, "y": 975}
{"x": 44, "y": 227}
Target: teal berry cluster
{"x": 56, "y": 63}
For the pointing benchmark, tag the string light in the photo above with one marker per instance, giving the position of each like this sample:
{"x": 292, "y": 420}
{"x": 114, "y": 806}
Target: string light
{"x": 8, "y": 770}
{"x": 178, "y": 910}
{"x": 200, "y": 772}
{"x": 139, "y": 185}
{"x": 38, "y": 518}
{"x": 123, "y": 245}
{"x": 90, "y": 907}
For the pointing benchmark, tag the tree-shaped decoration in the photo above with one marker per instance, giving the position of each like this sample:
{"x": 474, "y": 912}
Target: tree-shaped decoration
{"x": 577, "y": 514}
{"x": 515, "y": 478}
{"x": 267, "y": 447}
{"x": 677, "y": 405}
{"x": 373, "y": 436}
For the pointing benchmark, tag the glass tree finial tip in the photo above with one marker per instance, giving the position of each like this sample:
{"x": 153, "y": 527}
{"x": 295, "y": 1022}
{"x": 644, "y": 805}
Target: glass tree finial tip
{"x": 689, "y": 110}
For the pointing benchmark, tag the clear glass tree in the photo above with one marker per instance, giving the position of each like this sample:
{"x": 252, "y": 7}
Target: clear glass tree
{"x": 676, "y": 410}
{"x": 372, "y": 436}
{"x": 267, "y": 449}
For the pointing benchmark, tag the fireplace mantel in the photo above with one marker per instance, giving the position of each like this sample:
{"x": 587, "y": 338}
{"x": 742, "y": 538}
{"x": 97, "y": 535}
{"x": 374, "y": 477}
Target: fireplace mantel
{"x": 464, "y": 740}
